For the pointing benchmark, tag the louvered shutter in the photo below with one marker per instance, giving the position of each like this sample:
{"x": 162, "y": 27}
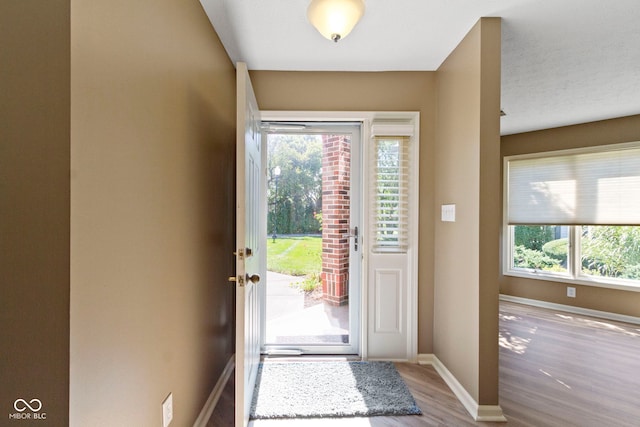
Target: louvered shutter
{"x": 390, "y": 188}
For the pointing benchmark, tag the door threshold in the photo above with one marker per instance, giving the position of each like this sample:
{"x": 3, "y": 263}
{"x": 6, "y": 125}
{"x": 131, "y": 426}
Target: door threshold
{"x": 310, "y": 357}
{"x": 282, "y": 352}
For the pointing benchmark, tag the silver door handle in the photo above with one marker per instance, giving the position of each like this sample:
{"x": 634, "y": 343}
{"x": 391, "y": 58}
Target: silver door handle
{"x": 354, "y": 234}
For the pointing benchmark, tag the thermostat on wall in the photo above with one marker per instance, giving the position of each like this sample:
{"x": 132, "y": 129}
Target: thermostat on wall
{"x": 449, "y": 213}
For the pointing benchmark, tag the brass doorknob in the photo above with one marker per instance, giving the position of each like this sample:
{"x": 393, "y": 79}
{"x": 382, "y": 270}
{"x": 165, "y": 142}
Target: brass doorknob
{"x": 253, "y": 278}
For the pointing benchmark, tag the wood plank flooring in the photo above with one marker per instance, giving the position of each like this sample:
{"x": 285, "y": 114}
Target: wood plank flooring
{"x": 562, "y": 369}
{"x": 556, "y": 369}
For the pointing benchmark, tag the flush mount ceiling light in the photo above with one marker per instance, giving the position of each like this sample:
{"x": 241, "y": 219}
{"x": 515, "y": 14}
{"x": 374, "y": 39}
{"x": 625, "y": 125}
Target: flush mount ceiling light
{"x": 335, "y": 19}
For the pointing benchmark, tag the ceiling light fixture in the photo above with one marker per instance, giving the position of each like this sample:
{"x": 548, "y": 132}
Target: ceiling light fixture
{"x": 335, "y": 19}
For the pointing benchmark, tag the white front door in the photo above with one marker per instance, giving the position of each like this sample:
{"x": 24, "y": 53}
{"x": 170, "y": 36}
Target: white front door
{"x": 250, "y": 256}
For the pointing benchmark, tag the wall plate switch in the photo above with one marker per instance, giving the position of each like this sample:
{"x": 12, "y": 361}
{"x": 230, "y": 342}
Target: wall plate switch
{"x": 448, "y": 213}
{"x": 571, "y": 292}
{"x": 167, "y": 410}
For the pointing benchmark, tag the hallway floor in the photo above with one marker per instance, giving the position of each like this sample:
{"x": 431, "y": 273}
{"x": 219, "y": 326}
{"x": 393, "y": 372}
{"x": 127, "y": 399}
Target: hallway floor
{"x": 556, "y": 369}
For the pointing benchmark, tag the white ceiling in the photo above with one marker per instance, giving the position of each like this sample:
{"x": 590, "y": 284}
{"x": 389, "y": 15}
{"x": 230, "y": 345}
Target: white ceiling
{"x": 563, "y": 61}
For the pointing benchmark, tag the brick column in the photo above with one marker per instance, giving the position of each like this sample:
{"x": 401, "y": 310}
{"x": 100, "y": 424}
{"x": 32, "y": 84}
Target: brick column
{"x": 336, "y": 192}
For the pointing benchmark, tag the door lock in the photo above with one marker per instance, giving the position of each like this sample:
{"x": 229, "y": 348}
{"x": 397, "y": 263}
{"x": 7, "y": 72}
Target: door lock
{"x": 244, "y": 253}
{"x": 239, "y": 280}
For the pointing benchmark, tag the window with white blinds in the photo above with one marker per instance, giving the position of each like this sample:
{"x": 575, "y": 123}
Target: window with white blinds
{"x": 390, "y": 198}
{"x": 575, "y": 187}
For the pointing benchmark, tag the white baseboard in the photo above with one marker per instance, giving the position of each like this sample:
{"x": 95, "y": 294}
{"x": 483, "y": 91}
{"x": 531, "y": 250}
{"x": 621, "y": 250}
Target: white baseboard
{"x": 489, "y": 413}
{"x": 383, "y": 359}
{"x": 212, "y": 401}
{"x": 572, "y": 309}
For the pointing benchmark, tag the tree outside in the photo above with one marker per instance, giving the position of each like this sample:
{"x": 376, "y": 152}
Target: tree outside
{"x": 530, "y": 242}
{"x": 295, "y": 195}
{"x": 611, "y": 251}
{"x": 606, "y": 251}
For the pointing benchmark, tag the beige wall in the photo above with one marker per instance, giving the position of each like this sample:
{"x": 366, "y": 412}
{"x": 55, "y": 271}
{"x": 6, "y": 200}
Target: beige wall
{"x": 357, "y": 91}
{"x": 467, "y": 164}
{"x": 152, "y": 210}
{"x": 34, "y": 206}
{"x": 620, "y": 130}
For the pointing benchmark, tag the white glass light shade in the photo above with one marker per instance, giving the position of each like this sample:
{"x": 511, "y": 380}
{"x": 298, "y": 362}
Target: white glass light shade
{"x": 335, "y": 19}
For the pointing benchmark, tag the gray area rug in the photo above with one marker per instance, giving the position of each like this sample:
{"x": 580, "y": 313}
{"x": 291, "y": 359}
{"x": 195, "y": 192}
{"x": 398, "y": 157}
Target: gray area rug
{"x": 330, "y": 389}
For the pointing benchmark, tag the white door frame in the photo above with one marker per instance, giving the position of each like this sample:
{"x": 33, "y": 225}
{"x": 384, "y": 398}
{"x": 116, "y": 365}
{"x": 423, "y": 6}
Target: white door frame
{"x": 411, "y": 297}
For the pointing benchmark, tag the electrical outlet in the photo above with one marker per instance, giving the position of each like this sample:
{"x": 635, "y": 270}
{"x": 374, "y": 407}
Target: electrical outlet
{"x": 167, "y": 410}
{"x": 571, "y": 292}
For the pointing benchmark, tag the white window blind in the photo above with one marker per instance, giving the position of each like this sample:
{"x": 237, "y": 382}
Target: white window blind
{"x": 390, "y": 198}
{"x": 572, "y": 188}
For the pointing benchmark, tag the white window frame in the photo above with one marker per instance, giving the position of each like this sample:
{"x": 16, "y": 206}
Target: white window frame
{"x": 574, "y": 273}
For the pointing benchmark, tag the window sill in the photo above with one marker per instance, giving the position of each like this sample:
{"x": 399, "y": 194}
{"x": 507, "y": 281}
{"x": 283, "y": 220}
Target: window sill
{"x": 569, "y": 280}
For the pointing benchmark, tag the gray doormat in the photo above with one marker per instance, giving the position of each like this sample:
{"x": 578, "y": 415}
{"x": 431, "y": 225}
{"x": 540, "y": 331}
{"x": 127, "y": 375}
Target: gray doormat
{"x": 330, "y": 389}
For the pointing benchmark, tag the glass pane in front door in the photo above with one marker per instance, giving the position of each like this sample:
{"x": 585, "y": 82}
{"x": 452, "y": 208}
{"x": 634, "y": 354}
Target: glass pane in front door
{"x": 311, "y": 287}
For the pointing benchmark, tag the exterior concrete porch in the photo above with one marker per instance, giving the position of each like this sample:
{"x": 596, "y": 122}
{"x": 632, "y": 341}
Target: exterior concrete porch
{"x": 292, "y": 320}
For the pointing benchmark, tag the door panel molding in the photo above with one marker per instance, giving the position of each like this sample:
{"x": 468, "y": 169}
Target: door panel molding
{"x": 388, "y": 309}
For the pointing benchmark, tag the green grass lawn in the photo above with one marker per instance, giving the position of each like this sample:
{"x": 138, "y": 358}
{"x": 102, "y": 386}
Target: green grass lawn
{"x": 297, "y": 256}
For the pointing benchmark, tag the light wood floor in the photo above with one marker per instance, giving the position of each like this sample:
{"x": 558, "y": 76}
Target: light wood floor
{"x": 562, "y": 369}
{"x": 556, "y": 369}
